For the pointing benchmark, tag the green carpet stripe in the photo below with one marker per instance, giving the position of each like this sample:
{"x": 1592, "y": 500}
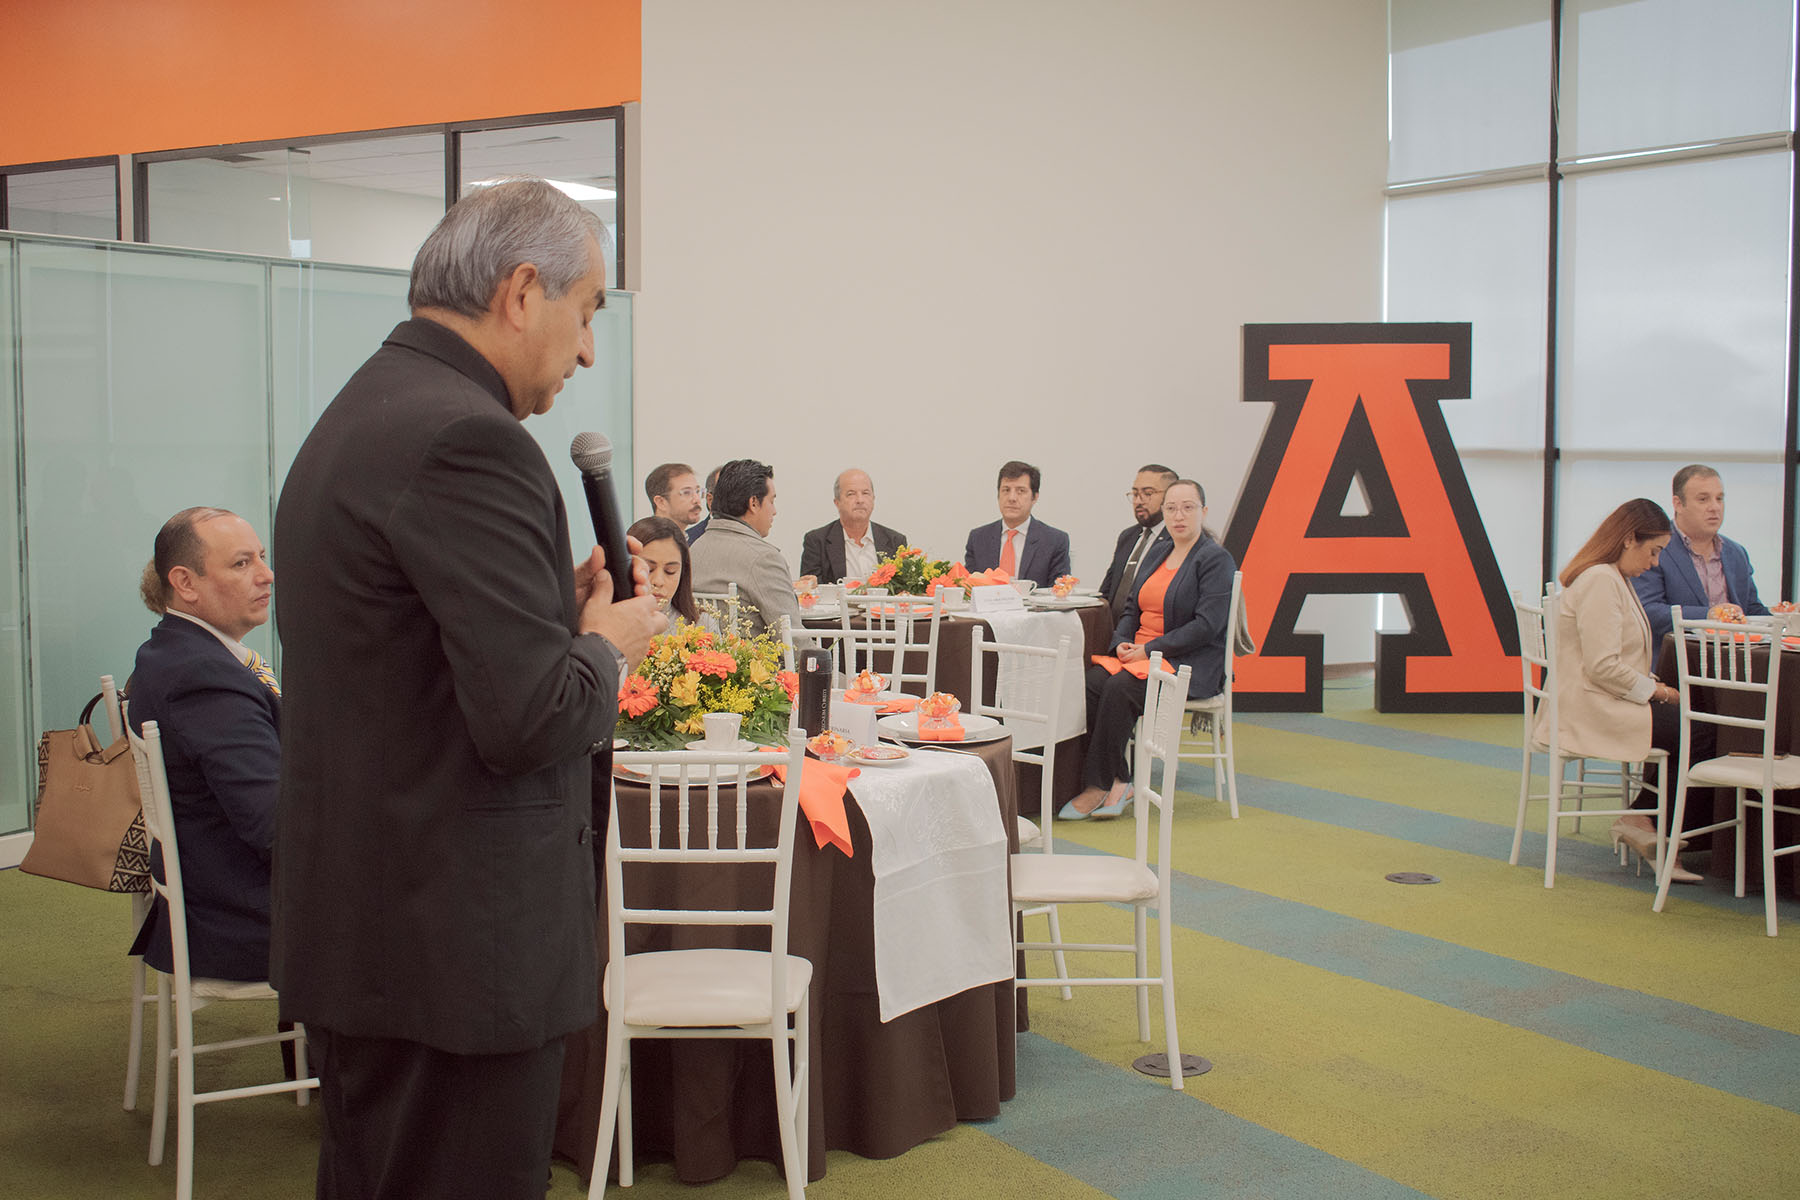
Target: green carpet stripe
{"x": 1434, "y": 745}
{"x": 1717, "y": 1051}
{"x": 1580, "y": 859}
{"x": 1137, "y": 1139}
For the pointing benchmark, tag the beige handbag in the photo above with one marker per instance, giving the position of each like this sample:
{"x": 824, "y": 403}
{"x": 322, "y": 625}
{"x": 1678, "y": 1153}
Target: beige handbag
{"x": 89, "y": 827}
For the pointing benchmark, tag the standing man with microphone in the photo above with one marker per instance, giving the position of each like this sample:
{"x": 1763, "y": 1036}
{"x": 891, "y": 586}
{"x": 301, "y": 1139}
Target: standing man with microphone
{"x": 447, "y": 669}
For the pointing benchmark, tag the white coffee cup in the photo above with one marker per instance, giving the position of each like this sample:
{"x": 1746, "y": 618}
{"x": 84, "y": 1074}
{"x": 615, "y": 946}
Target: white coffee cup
{"x": 1023, "y": 586}
{"x": 722, "y": 730}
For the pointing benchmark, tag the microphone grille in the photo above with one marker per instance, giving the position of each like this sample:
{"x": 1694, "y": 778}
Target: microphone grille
{"x": 591, "y": 452}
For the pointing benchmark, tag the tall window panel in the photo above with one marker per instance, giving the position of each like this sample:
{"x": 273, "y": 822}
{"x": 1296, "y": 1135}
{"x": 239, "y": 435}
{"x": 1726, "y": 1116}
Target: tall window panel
{"x": 144, "y": 392}
{"x": 1477, "y": 255}
{"x": 1470, "y": 84}
{"x": 18, "y": 765}
{"x": 1673, "y": 72}
{"x": 1672, "y": 329}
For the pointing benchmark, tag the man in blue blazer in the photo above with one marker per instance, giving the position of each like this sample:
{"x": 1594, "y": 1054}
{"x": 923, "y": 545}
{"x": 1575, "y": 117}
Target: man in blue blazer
{"x": 1024, "y": 548}
{"x": 1146, "y": 531}
{"x": 1700, "y": 567}
{"x": 219, "y": 712}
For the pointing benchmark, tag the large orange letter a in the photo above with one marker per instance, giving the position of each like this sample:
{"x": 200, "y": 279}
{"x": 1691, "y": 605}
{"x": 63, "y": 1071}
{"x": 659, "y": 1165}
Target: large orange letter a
{"x": 1361, "y": 401}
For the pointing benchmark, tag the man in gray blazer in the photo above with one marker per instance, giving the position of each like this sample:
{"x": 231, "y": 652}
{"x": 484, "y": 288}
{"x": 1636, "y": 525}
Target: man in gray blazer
{"x": 735, "y": 549}
{"x": 448, "y": 669}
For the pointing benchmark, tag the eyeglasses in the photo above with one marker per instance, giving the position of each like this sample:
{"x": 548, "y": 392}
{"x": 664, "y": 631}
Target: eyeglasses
{"x": 1143, "y": 493}
{"x": 687, "y": 493}
{"x": 1180, "y": 510}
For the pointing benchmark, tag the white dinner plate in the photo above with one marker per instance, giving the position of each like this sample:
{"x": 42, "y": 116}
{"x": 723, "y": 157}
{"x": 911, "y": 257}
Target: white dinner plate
{"x": 1049, "y": 602}
{"x": 671, "y": 773}
{"x": 822, "y": 612}
{"x": 743, "y": 746}
{"x": 904, "y": 727}
{"x": 855, "y": 757}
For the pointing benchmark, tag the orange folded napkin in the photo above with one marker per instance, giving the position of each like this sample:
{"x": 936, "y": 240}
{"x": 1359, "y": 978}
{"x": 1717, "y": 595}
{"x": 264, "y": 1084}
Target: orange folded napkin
{"x": 954, "y": 732}
{"x": 1792, "y": 643}
{"x": 887, "y": 704}
{"x": 858, "y": 696}
{"x": 822, "y": 787}
{"x": 1139, "y": 668}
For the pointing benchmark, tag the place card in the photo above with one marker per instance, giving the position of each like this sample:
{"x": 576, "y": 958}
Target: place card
{"x": 997, "y": 597}
{"x": 854, "y": 721}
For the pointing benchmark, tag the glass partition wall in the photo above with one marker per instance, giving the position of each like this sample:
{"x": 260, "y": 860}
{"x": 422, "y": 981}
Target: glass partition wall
{"x": 136, "y": 381}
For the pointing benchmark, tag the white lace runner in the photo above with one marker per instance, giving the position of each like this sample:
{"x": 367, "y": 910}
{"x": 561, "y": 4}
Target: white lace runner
{"x": 1017, "y": 677}
{"x": 943, "y": 918}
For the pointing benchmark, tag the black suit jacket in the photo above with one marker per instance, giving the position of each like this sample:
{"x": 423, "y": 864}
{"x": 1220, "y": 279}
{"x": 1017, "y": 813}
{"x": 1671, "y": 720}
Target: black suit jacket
{"x": 1122, "y": 554}
{"x": 1046, "y": 552}
{"x": 434, "y": 877}
{"x": 822, "y": 549}
{"x": 221, "y": 740}
{"x": 1196, "y": 610}
{"x": 697, "y": 528}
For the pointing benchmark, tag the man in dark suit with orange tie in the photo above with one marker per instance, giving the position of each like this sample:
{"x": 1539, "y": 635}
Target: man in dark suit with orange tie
{"x": 1017, "y": 544}
{"x": 1134, "y": 542}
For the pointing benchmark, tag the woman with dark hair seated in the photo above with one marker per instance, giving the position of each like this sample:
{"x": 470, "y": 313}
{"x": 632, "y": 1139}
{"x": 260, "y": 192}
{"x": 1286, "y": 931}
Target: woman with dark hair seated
{"x": 1608, "y": 705}
{"x": 665, "y": 554}
{"x": 1180, "y": 605}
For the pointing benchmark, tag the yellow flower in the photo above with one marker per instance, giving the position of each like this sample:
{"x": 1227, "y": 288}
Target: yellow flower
{"x": 694, "y": 724}
{"x": 686, "y": 689}
{"x": 759, "y": 672}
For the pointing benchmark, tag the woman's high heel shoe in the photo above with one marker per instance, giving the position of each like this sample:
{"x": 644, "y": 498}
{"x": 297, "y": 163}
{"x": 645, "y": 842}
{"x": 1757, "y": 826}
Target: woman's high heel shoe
{"x": 1643, "y": 842}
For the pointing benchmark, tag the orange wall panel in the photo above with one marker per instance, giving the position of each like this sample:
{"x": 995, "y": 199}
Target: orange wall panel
{"x": 90, "y": 77}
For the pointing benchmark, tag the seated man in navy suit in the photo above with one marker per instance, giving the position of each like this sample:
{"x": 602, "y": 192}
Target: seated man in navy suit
{"x": 850, "y": 546}
{"x": 1134, "y": 542}
{"x": 219, "y": 712}
{"x": 1018, "y": 545}
{"x": 1700, "y": 567}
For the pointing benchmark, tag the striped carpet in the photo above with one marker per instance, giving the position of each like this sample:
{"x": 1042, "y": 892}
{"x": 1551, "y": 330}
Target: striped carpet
{"x": 1481, "y": 1037}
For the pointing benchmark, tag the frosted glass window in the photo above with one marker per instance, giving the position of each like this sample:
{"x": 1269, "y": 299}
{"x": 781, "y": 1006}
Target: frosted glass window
{"x": 18, "y": 762}
{"x": 1591, "y": 488}
{"x": 326, "y": 322}
{"x": 1673, "y": 318}
{"x": 145, "y": 391}
{"x": 579, "y": 154}
{"x": 1470, "y": 85}
{"x": 75, "y": 202}
{"x": 1479, "y": 255}
{"x": 1670, "y": 72}
{"x": 367, "y": 202}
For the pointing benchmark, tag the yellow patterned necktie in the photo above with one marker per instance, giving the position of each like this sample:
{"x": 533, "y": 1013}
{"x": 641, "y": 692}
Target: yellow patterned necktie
{"x": 262, "y": 672}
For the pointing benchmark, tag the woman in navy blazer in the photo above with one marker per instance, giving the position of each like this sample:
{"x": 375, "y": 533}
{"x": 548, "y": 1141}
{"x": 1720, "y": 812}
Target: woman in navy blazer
{"x": 1193, "y": 573}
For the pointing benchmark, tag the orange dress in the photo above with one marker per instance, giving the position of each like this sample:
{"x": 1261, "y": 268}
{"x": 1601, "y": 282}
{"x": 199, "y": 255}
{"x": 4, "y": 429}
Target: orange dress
{"x": 1150, "y": 604}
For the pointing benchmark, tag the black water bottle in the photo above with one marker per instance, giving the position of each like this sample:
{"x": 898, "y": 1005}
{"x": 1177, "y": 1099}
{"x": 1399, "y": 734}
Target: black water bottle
{"x": 815, "y": 691}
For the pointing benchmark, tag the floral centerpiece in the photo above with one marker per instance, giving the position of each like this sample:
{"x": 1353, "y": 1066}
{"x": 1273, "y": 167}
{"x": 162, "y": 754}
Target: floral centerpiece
{"x": 691, "y": 671}
{"x": 909, "y": 572}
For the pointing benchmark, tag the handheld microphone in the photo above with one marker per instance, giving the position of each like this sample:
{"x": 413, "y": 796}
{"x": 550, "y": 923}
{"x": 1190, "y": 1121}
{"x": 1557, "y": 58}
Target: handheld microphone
{"x": 592, "y": 454}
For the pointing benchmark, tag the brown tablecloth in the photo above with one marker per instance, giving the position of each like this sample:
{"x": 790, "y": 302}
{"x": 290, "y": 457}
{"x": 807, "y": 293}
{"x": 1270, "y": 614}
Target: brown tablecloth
{"x": 877, "y": 1089}
{"x": 1723, "y": 861}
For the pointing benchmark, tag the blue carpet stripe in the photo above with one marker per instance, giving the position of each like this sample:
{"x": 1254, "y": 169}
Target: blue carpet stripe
{"x": 1436, "y": 745}
{"x": 1735, "y": 1056}
{"x": 1083, "y": 1117}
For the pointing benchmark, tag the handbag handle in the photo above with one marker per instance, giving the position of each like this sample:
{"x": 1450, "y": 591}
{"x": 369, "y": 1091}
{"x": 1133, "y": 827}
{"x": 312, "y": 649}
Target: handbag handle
{"x": 88, "y": 746}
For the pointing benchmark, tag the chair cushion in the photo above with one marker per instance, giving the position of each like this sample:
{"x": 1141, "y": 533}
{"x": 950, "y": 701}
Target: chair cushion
{"x": 1736, "y": 771}
{"x": 695, "y": 989}
{"x": 233, "y": 989}
{"x": 1029, "y": 833}
{"x": 1074, "y": 878}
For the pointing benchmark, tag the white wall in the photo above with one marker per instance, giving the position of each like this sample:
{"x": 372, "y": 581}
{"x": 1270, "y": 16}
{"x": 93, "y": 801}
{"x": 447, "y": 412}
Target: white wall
{"x": 927, "y": 238}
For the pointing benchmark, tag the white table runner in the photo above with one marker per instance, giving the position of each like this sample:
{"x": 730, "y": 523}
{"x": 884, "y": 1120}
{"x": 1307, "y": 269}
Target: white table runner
{"x": 1012, "y": 687}
{"x": 943, "y": 918}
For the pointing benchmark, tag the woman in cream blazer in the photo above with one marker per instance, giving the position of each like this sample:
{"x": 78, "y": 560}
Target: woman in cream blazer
{"x": 1608, "y": 704}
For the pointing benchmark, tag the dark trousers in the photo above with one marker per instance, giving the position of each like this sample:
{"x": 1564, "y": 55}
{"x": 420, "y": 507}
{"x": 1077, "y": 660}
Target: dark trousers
{"x": 1114, "y": 703}
{"x": 1665, "y": 734}
{"x": 404, "y": 1121}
